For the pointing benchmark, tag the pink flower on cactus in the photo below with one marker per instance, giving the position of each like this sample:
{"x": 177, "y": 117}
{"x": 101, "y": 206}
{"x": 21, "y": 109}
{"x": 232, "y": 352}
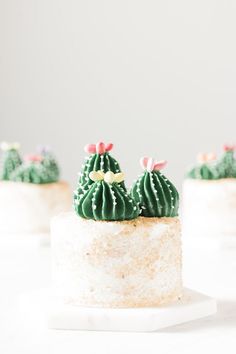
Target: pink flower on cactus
{"x": 99, "y": 148}
{"x": 207, "y": 157}
{"x": 33, "y": 158}
{"x": 227, "y": 147}
{"x": 149, "y": 164}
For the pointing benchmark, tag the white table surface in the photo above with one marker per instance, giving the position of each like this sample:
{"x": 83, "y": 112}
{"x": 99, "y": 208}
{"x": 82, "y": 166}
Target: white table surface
{"x": 26, "y": 267}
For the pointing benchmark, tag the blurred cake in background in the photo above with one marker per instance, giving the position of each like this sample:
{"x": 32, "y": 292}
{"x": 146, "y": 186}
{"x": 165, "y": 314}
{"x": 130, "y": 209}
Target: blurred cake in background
{"x": 104, "y": 253}
{"x": 30, "y": 191}
{"x": 209, "y": 196}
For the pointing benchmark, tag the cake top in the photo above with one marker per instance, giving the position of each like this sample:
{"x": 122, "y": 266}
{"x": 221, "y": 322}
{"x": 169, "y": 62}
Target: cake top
{"x": 155, "y": 194}
{"x": 101, "y": 193}
{"x": 34, "y": 168}
{"x": 208, "y": 167}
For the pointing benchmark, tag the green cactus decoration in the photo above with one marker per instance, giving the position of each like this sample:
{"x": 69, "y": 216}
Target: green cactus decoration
{"x": 100, "y": 159}
{"x": 227, "y": 164}
{"x": 205, "y": 169}
{"x": 106, "y": 200}
{"x": 155, "y": 194}
{"x": 10, "y": 161}
{"x": 50, "y": 164}
{"x": 34, "y": 170}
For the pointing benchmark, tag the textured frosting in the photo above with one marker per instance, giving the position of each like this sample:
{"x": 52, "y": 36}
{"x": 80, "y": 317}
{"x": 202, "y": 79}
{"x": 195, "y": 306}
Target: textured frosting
{"x": 51, "y": 166}
{"x": 227, "y": 165}
{"x": 155, "y": 194}
{"x": 106, "y": 200}
{"x": 37, "y": 169}
{"x": 10, "y": 161}
{"x": 31, "y": 173}
{"x": 208, "y": 168}
{"x": 100, "y": 159}
{"x": 204, "y": 171}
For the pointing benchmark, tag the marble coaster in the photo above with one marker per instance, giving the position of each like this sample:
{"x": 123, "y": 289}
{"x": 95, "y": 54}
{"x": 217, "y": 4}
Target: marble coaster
{"x": 58, "y": 315}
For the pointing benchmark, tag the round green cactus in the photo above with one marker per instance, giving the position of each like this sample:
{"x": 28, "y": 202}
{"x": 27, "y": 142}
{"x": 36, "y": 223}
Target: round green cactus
{"x": 155, "y": 194}
{"x": 106, "y": 200}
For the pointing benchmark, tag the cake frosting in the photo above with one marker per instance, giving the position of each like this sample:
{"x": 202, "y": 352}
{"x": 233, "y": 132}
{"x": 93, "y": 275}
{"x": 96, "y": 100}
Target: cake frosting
{"x": 135, "y": 263}
{"x": 30, "y": 191}
{"x": 209, "y": 196}
{"x": 109, "y": 253}
{"x": 29, "y": 207}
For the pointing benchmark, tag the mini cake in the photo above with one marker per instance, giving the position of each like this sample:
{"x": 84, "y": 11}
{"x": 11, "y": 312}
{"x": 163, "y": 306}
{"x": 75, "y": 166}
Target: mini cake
{"x": 105, "y": 254}
{"x": 209, "y": 196}
{"x": 30, "y": 191}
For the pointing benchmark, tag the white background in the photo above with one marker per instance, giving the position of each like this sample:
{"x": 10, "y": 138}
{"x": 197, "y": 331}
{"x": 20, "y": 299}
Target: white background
{"x": 154, "y": 77}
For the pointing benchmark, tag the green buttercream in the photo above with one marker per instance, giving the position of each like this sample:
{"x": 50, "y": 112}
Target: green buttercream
{"x": 105, "y": 201}
{"x": 51, "y": 166}
{"x": 156, "y": 195}
{"x": 95, "y": 162}
{"x": 10, "y": 161}
{"x": 227, "y": 165}
{"x": 31, "y": 173}
{"x": 206, "y": 171}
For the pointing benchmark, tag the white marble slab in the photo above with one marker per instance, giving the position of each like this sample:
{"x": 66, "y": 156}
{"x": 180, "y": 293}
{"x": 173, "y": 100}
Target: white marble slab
{"x": 46, "y": 308}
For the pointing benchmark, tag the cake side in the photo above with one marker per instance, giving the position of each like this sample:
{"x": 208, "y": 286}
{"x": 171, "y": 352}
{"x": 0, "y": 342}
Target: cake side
{"x": 135, "y": 263}
{"x": 209, "y": 207}
{"x": 28, "y": 207}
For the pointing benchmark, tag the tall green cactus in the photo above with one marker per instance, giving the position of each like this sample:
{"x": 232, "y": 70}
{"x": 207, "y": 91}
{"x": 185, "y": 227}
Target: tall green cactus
{"x": 11, "y": 160}
{"x": 99, "y": 160}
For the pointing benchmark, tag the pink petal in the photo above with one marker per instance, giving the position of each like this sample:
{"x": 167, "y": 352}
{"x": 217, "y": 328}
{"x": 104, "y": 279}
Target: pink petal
{"x": 90, "y": 148}
{"x": 33, "y": 158}
{"x": 108, "y": 147}
{"x": 159, "y": 165}
{"x": 229, "y": 147}
{"x": 143, "y": 162}
{"x": 100, "y": 148}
